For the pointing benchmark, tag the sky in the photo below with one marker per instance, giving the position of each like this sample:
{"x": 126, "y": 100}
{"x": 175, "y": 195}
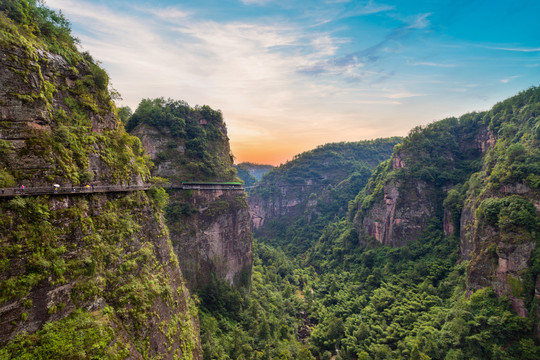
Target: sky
{"x": 290, "y": 75}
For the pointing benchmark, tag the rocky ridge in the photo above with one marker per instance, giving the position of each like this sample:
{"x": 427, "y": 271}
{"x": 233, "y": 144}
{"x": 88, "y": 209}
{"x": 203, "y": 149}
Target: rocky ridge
{"x": 210, "y": 229}
{"x": 93, "y": 273}
{"x": 476, "y": 177}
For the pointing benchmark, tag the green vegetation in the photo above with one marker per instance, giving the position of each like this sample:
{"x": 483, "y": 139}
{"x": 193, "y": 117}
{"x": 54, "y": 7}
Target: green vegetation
{"x": 321, "y": 182}
{"x": 80, "y": 336}
{"x": 362, "y": 303}
{"x": 246, "y": 176}
{"x": 198, "y": 144}
{"x": 80, "y": 109}
{"x": 250, "y": 173}
{"x": 327, "y": 297}
{"x": 109, "y": 259}
{"x": 39, "y": 25}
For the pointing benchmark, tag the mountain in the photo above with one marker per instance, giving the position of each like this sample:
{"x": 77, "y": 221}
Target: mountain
{"x": 316, "y": 186}
{"x": 86, "y": 272}
{"x": 434, "y": 258}
{"x": 210, "y": 229}
{"x": 478, "y": 177}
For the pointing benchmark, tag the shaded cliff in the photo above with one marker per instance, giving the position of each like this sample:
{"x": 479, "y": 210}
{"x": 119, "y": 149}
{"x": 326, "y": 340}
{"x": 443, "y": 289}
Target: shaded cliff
{"x": 293, "y": 202}
{"x": 407, "y": 191}
{"x": 82, "y": 275}
{"x": 210, "y": 229}
{"x": 475, "y": 177}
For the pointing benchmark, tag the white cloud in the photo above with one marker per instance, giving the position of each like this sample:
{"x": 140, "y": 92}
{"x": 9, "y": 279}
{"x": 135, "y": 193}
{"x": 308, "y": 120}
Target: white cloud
{"x": 255, "y": 2}
{"x": 517, "y": 49}
{"x": 420, "y": 22}
{"x": 433, "y": 64}
{"x": 508, "y": 79}
{"x": 401, "y": 95}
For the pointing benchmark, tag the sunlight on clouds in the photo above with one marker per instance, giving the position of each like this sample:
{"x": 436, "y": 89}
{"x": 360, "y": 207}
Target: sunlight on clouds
{"x": 284, "y": 84}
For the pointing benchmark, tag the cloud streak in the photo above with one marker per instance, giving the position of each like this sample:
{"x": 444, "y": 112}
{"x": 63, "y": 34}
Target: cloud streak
{"x": 287, "y": 83}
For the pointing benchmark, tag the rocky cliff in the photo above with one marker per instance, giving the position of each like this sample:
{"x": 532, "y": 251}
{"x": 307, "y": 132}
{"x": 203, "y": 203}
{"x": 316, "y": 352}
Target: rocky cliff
{"x": 475, "y": 177}
{"x": 313, "y": 188}
{"x": 210, "y": 229}
{"x": 500, "y": 218}
{"x": 82, "y": 275}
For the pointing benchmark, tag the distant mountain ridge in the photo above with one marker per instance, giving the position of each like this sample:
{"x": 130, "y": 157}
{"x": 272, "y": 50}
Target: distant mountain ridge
{"x": 313, "y": 186}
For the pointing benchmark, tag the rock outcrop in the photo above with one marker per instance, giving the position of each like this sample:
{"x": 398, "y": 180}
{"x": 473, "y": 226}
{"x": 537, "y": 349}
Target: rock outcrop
{"x": 478, "y": 178}
{"x": 210, "y": 229}
{"x": 90, "y": 274}
{"x": 407, "y": 191}
{"x": 314, "y": 184}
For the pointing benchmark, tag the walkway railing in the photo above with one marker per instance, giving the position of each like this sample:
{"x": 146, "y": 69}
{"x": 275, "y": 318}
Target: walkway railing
{"x": 76, "y": 190}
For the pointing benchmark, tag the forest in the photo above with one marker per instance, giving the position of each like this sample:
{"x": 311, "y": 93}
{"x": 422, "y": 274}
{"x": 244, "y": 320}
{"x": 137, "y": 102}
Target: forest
{"x": 341, "y": 298}
{"x": 322, "y": 286}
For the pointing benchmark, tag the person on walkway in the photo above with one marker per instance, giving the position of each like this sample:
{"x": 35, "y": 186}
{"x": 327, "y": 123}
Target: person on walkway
{"x": 22, "y": 188}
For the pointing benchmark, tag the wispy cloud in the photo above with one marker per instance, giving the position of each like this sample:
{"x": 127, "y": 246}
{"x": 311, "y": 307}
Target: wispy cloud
{"x": 255, "y": 2}
{"x": 517, "y": 49}
{"x": 296, "y": 74}
{"x": 432, "y": 64}
{"x": 401, "y": 95}
{"x": 508, "y": 79}
{"x": 169, "y": 13}
{"x": 359, "y": 59}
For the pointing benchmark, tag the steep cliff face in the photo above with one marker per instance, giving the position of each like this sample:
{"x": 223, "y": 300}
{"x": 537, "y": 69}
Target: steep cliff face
{"x": 499, "y": 223}
{"x": 211, "y": 233}
{"x": 81, "y": 275}
{"x": 57, "y": 120}
{"x": 210, "y": 229}
{"x": 478, "y": 178}
{"x": 313, "y": 188}
{"x": 407, "y": 191}
{"x": 88, "y": 264}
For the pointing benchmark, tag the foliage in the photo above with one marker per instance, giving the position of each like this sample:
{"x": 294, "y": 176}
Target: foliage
{"x": 80, "y": 336}
{"x": 197, "y": 138}
{"x": 321, "y": 182}
{"x": 42, "y": 23}
{"x": 111, "y": 261}
{"x": 75, "y": 107}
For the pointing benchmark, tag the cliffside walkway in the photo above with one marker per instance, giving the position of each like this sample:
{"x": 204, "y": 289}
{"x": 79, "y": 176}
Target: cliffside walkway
{"x": 77, "y": 190}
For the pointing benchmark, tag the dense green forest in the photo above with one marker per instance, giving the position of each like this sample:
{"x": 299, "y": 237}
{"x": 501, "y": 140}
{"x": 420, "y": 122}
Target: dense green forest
{"x": 250, "y": 173}
{"x": 362, "y": 303}
{"x": 341, "y": 298}
{"x": 319, "y": 183}
{"x": 321, "y": 287}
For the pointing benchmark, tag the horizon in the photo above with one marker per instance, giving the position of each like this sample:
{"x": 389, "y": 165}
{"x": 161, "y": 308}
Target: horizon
{"x": 292, "y": 75}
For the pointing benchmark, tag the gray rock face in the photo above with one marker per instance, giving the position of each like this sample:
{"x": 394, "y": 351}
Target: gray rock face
{"x": 402, "y": 215}
{"x": 210, "y": 229}
{"x": 53, "y": 115}
{"x": 498, "y": 259}
{"x": 215, "y": 239}
{"x": 62, "y": 255}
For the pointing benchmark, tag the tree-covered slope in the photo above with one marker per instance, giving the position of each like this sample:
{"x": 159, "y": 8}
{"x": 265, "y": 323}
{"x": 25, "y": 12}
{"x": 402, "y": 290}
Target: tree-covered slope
{"x": 476, "y": 175}
{"x": 82, "y": 275}
{"x": 455, "y": 190}
{"x": 293, "y": 202}
{"x": 186, "y": 143}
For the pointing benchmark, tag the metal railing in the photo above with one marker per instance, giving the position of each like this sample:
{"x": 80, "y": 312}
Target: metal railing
{"x": 90, "y": 189}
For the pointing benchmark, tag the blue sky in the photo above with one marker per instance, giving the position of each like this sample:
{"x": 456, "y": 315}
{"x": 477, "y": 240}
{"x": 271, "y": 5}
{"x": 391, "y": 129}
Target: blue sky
{"x": 290, "y": 75}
